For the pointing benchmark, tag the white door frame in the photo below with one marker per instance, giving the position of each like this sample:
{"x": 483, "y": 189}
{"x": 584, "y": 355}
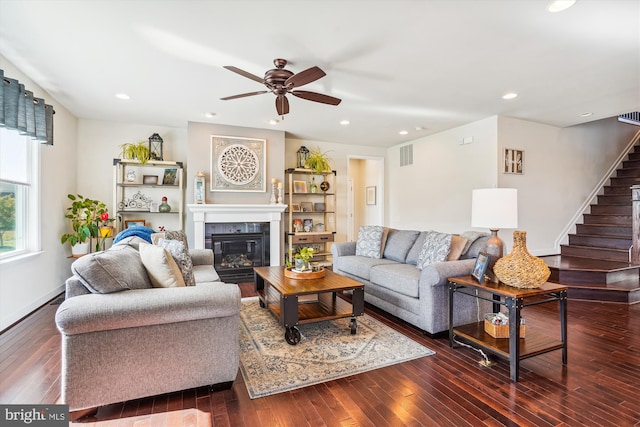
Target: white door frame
{"x": 351, "y": 234}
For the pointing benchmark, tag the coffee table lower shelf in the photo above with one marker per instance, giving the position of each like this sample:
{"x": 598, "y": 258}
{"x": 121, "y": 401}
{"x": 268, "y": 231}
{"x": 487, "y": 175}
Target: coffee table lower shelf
{"x": 534, "y": 344}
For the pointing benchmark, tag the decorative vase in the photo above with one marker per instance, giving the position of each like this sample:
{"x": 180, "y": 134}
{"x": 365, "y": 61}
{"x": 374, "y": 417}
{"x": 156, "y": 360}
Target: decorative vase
{"x": 301, "y": 265}
{"x": 520, "y": 269}
{"x": 164, "y": 206}
{"x": 313, "y": 186}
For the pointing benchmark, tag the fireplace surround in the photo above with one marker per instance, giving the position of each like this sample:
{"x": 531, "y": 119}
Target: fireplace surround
{"x": 240, "y": 213}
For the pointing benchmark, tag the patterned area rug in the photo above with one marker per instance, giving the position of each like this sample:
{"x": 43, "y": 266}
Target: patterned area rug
{"x": 327, "y": 351}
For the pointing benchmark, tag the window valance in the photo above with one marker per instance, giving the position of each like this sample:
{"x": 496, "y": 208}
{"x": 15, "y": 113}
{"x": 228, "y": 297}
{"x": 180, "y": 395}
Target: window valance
{"x": 23, "y": 112}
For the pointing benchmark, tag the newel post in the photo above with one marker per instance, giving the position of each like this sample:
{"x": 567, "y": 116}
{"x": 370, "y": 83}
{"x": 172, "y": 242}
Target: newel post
{"x": 635, "y": 228}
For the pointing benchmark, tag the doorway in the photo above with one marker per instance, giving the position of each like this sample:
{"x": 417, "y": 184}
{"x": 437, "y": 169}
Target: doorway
{"x": 365, "y": 193}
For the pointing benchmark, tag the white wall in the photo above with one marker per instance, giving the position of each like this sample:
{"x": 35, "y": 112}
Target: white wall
{"x": 99, "y": 143}
{"x": 339, "y": 154}
{"x": 561, "y": 168}
{"x": 434, "y": 193}
{"x": 28, "y": 283}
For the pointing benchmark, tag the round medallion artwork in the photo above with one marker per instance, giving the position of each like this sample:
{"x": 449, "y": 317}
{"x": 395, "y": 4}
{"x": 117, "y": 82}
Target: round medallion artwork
{"x": 238, "y": 164}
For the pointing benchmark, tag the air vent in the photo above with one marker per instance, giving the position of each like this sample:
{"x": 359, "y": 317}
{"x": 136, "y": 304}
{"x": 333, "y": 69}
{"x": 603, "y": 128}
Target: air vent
{"x": 631, "y": 118}
{"x": 406, "y": 155}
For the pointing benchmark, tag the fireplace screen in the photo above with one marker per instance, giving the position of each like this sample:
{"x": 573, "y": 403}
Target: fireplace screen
{"x": 238, "y": 252}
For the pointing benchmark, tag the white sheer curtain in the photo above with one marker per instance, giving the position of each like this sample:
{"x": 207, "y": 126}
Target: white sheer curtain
{"x": 22, "y": 112}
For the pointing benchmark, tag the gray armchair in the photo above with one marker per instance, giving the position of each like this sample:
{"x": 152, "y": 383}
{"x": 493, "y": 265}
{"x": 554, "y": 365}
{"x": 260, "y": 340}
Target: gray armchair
{"x": 142, "y": 342}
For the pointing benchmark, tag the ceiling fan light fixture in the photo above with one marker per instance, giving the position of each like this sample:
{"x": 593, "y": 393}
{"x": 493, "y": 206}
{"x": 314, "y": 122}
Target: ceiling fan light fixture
{"x": 559, "y": 5}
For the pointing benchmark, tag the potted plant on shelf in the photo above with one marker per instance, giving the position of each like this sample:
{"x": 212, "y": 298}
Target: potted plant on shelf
{"x": 302, "y": 258}
{"x": 318, "y": 162}
{"x": 135, "y": 151}
{"x": 85, "y": 216}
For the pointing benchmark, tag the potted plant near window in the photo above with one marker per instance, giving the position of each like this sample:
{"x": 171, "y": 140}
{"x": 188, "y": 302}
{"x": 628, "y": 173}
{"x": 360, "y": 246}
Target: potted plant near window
{"x": 86, "y": 216}
{"x": 302, "y": 258}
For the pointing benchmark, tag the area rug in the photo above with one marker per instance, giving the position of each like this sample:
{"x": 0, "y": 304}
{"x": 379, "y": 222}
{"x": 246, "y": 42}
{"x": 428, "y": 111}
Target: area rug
{"x": 327, "y": 351}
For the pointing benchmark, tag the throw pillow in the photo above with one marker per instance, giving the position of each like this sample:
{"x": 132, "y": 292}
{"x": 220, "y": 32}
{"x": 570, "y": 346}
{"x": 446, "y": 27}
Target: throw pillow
{"x": 171, "y": 235}
{"x": 435, "y": 249}
{"x": 181, "y": 256}
{"x": 371, "y": 240}
{"x": 161, "y": 267}
{"x": 458, "y": 244}
{"x": 118, "y": 269}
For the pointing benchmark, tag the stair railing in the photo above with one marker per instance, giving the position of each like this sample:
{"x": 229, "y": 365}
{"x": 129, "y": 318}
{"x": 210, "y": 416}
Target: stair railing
{"x": 564, "y": 234}
{"x": 635, "y": 225}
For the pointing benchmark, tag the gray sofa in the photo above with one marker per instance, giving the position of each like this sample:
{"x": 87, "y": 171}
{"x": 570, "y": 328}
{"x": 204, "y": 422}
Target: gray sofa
{"x": 394, "y": 284}
{"x": 144, "y": 341}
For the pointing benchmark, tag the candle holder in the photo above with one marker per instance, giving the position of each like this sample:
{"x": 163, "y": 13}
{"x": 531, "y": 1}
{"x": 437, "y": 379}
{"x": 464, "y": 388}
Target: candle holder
{"x": 280, "y": 196}
{"x": 274, "y": 199}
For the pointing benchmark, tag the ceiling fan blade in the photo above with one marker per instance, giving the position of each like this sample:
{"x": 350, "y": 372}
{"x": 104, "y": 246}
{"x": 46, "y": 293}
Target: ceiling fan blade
{"x": 242, "y": 95}
{"x": 244, "y": 73}
{"x": 305, "y": 77}
{"x": 317, "y": 97}
{"x": 282, "y": 105}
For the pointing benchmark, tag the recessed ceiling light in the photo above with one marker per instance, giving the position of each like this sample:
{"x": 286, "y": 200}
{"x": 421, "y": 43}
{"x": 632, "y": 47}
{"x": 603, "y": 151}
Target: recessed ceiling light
{"x": 419, "y": 128}
{"x": 344, "y": 122}
{"x": 559, "y": 5}
{"x": 209, "y": 115}
{"x": 403, "y": 132}
{"x": 510, "y": 95}
{"x": 122, "y": 96}
{"x": 273, "y": 122}
{"x": 586, "y": 114}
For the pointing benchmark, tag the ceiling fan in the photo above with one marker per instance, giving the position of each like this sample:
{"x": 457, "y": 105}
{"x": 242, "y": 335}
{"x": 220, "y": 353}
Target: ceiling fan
{"x": 281, "y": 82}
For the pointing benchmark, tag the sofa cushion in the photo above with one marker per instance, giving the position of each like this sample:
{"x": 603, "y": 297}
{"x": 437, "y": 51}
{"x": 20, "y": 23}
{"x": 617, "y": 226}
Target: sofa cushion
{"x": 435, "y": 249}
{"x": 414, "y": 252}
{"x": 118, "y": 269}
{"x": 371, "y": 241}
{"x": 398, "y": 244}
{"x": 401, "y": 278}
{"x": 161, "y": 267}
{"x": 458, "y": 244}
{"x": 477, "y": 241}
{"x": 181, "y": 255}
{"x": 360, "y": 266}
{"x": 178, "y": 235}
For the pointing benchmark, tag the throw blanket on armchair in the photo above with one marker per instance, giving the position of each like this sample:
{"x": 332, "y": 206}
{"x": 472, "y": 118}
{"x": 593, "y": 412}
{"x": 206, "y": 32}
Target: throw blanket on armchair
{"x": 139, "y": 231}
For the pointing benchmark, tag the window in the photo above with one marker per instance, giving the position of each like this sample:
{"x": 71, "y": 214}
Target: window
{"x": 19, "y": 195}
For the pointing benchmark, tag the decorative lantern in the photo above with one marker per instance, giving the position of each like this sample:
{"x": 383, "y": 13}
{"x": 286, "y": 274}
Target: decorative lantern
{"x": 155, "y": 147}
{"x": 198, "y": 188}
{"x": 302, "y": 155}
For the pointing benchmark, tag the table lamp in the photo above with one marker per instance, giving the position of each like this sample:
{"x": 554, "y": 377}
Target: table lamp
{"x": 494, "y": 208}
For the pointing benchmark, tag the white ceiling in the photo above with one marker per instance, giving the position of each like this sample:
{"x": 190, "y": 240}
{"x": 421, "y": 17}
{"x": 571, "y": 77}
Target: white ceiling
{"x": 395, "y": 64}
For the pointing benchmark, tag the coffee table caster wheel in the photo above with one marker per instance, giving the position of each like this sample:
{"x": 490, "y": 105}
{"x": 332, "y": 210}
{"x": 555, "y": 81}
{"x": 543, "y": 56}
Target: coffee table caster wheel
{"x": 354, "y": 326}
{"x": 262, "y": 304}
{"x": 292, "y": 335}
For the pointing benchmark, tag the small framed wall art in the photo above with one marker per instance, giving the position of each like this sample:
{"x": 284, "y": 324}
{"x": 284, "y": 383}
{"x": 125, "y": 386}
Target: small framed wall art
{"x": 134, "y": 223}
{"x": 513, "y": 161}
{"x": 371, "y": 195}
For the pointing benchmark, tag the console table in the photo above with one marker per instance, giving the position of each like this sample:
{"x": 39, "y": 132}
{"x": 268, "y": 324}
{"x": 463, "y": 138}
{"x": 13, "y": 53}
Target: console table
{"x": 514, "y": 299}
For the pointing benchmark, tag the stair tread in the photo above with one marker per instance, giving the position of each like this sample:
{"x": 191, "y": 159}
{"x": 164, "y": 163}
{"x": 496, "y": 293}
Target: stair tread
{"x": 626, "y": 286}
{"x": 564, "y": 262}
{"x": 595, "y": 247}
{"x": 601, "y": 236}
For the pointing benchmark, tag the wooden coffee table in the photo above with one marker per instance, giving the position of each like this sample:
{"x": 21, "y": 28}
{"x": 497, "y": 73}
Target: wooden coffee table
{"x": 298, "y": 301}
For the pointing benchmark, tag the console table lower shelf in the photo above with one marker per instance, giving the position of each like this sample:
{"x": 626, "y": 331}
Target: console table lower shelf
{"x": 514, "y": 349}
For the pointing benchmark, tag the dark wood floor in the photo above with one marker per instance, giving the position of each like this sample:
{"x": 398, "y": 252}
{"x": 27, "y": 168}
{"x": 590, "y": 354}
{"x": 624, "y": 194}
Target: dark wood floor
{"x": 599, "y": 386}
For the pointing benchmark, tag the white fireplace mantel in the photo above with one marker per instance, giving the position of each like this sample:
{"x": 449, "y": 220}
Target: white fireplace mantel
{"x": 207, "y": 213}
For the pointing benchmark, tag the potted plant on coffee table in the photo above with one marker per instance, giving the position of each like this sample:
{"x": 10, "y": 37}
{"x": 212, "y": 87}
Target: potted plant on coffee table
{"x": 302, "y": 257}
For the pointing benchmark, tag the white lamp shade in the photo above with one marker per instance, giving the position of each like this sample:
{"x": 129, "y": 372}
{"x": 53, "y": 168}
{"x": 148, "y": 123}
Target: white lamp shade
{"x": 494, "y": 208}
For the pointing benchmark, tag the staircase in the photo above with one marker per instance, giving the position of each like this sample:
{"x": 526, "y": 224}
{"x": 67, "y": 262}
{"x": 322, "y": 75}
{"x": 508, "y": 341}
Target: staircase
{"x": 596, "y": 265}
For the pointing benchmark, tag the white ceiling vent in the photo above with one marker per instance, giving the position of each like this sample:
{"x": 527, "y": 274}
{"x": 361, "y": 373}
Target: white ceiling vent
{"x": 406, "y": 155}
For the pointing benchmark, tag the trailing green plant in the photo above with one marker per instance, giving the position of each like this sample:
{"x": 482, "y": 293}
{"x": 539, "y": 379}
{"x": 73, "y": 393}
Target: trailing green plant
{"x": 318, "y": 162}
{"x": 135, "y": 151}
{"x": 86, "y": 216}
{"x": 305, "y": 254}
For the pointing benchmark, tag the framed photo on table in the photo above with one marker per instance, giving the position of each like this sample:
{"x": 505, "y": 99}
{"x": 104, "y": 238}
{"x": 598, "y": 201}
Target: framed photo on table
{"x": 480, "y": 267}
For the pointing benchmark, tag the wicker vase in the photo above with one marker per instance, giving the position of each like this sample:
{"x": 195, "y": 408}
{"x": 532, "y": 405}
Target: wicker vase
{"x": 520, "y": 269}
